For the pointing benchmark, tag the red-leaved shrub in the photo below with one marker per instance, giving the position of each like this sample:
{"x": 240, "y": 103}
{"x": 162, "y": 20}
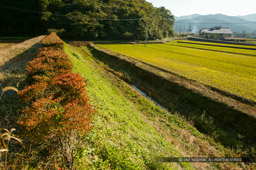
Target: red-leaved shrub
{"x": 49, "y": 51}
{"x": 54, "y": 62}
{"x": 53, "y": 40}
{"x": 71, "y": 87}
{"x": 58, "y": 107}
{"x": 33, "y": 92}
{"x": 39, "y": 117}
{"x": 77, "y": 116}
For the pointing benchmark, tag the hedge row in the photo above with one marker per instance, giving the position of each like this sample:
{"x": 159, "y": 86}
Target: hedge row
{"x": 48, "y": 63}
{"x": 57, "y": 104}
{"x": 53, "y": 41}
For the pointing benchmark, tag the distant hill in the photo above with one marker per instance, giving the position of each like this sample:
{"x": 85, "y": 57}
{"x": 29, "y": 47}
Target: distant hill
{"x": 197, "y": 22}
{"x": 187, "y": 17}
{"x": 251, "y": 17}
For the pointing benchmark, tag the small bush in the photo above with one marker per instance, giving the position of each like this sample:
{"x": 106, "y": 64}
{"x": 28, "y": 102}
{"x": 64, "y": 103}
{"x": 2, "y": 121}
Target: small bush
{"x": 47, "y": 66}
{"x": 58, "y": 114}
{"x": 65, "y": 96}
{"x": 40, "y": 117}
{"x": 31, "y": 93}
{"x": 53, "y": 40}
{"x": 71, "y": 87}
{"x": 49, "y": 51}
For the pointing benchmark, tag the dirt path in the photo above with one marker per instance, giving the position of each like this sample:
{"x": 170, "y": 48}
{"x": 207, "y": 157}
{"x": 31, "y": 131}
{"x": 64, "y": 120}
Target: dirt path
{"x": 13, "y": 60}
{"x": 16, "y": 49}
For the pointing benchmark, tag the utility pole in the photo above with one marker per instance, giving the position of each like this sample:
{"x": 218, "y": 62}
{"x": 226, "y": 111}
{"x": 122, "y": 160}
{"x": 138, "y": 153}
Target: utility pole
{"x": 189, "y": 29}
{"x": 146, "y": 31}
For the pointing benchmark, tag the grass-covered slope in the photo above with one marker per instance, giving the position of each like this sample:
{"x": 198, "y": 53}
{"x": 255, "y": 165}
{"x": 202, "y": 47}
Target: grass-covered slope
{"x": 130, "y": 132}
{"x": 120, "y": 137}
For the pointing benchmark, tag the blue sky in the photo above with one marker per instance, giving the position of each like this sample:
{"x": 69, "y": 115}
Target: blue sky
{"x": 188, "y": 7}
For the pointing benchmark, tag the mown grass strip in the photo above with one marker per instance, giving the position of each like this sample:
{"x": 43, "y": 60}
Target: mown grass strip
{"x": 235, "y": 74}
{"x": 219, "y": 44}
{"x": 218, "y": 49}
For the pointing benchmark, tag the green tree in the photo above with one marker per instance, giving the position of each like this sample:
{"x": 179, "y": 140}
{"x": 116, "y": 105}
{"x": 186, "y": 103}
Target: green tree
{"x": 87, "y": 19}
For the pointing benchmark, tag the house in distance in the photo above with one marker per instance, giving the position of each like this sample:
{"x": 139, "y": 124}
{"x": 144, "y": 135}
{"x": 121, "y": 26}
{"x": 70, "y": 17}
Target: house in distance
{"x": 216, "y": 32}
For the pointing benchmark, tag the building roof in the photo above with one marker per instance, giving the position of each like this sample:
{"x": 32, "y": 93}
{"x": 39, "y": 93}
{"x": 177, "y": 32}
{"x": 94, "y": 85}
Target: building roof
{"x": 216, "y": 30}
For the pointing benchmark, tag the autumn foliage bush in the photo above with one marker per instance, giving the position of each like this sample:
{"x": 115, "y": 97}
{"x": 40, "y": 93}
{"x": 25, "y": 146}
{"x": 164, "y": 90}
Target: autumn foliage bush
{"x": 62, "y": 104}
{"x": 71, "y": 87}
{"x": 47, "y": 64}
{"x": 53, "y": 41}
{"x": 58, "y": 108}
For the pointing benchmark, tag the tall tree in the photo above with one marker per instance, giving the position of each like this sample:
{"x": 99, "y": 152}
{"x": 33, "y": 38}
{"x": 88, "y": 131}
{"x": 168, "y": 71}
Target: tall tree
{"x": 87, "y": 19}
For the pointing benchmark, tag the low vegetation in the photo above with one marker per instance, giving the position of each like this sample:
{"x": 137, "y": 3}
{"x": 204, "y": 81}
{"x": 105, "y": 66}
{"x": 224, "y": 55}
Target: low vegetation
{"x": 251, "y": 41}
{"x": 132, "y": 132}
{"x": 232, "y": 73}
{"x": 128, "y": 131}
{"x": 217, "y": 47}
{"x": 218, "y": 44}
{"x": 53, "y": 41}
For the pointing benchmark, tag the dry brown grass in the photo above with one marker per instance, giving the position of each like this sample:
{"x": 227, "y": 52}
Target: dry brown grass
{"x": 14, "y": 59}
{"x": 12, "y": 51}
{"x": 5, "y": 45}
{"x": 191, "y": 146}
{"x": 6, "y": 137}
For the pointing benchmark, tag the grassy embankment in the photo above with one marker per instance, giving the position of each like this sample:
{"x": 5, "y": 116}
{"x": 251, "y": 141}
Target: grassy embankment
{"x": 130, "y": 131}
{"x": 229, "y": 72}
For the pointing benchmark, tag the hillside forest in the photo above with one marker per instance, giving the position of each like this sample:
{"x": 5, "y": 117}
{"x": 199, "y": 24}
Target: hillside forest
{"x": 86, "y": 19}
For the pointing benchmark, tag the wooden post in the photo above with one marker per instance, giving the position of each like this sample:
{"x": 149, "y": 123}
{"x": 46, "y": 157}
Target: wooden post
{"x": 146, "y": 32}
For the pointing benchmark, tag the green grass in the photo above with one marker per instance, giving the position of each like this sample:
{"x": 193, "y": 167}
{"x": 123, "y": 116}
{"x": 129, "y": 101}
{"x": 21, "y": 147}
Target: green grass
{"x": 229, "y": 72}
{"x": 221, "y": 44}
{"x": 129, "y": 131}
{"x": 120, "y": 137}
{"x": 251, "y": 41}
{"x": 221, "y": 49}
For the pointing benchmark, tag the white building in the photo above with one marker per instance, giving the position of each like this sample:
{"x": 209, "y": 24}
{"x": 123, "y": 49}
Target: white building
{"x": 216, "y": 32}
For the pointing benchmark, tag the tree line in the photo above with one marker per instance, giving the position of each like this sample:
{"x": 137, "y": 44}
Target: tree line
{"x": 86, "y": 19}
